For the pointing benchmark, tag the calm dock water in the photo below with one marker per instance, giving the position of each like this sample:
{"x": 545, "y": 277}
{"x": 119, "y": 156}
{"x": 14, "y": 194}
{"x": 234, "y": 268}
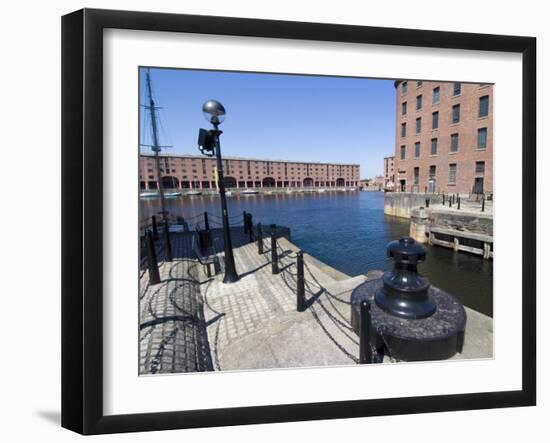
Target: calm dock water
{"x": 348, "y": 231}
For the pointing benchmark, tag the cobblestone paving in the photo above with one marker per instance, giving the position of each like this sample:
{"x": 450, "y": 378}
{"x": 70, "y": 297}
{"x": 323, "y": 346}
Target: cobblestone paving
{"x": 251, "y": 315}
{"x": 173, "y": 334}
{"x": 191, "y": 323}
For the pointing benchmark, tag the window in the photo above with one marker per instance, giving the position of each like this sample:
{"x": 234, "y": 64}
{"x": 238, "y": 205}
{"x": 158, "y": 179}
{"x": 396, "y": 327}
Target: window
{"x": 417, "y": 150}
{"x": 404, "y": 88}
{"x": 454, "y": 142}
{"x": 419, "y": 83}
{"x": 456, "y": 114}
{"x": 403, "y": 129}
{"x": 416, "y": 175}
{"x": 457, "y": 88}
{"x": 433, "y": 150}
{"x": 432, "y": 171}
{"x": 480, "y": 167}
{"x": 436, "y": 96}
{"x": 435, "y": 120}
{"x": 418, "y": 125}
{"x": 404, "y": 108}
{"x": 418, "y": 102}
{"x": 482, "y": 138}
{"x": 452, "y": 173}
{"x": 403, "y": 152}
{"x": 484, "y": 106}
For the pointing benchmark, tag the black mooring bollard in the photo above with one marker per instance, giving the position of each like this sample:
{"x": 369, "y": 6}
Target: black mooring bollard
{"x": 152, "y": 264}
{"x": 300, "y": 283}
{"x": 365, "y": 351}
{"x": 483, "y": 203}
{"x": 453, "y": 199}
{"x": 260, "y": 239}
{"x": 245, "y": 224}
{"x": 250, "y": 228}
{"x": 450, "y": 202}
{"x": 274, "y": 258}
{"x": 458, "y": 202}
{"x": 427, "y": 203}
{"x": 206, "y": 222}
{"x": 443, "y": 201}
{"x": 167, "y": 245}
{"x": 155, "y": 227}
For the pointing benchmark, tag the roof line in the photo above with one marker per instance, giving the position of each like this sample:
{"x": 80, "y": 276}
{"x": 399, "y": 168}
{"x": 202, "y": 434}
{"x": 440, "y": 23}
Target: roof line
{"x": 228, "y": 157}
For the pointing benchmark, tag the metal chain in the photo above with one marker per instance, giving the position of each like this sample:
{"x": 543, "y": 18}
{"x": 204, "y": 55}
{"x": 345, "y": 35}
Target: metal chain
{"x": 155, "y": 362}
{"x": 380, "y": 332}
{"x": 329, "y": 335}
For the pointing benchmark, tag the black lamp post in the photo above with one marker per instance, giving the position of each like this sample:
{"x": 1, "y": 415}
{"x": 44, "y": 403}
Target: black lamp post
{"x": 209, "y": 144}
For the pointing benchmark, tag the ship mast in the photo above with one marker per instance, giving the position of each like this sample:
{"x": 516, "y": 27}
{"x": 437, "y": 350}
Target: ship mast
{"x": 155, "y": 147}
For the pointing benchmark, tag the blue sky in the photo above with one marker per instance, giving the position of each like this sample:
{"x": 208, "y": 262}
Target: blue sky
{"x": 279, "y": 117}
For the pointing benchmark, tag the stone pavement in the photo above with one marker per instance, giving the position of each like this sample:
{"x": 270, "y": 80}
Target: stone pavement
{"x": 190, "y": 322}
{"x": 173, "y": 335}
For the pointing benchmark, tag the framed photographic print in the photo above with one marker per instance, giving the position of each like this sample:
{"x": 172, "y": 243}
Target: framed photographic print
{"x": 269, "y": 221}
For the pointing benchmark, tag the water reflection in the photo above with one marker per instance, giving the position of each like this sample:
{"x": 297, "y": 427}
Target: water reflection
{"x": 348, "y": 231}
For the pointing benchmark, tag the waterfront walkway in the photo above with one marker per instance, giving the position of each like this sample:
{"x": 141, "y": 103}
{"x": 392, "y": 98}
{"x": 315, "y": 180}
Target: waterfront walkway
{"x": 190, "y": 322}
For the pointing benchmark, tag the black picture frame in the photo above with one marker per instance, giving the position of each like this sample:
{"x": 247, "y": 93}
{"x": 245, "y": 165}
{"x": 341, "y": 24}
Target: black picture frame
{"x": 82, "y": 215}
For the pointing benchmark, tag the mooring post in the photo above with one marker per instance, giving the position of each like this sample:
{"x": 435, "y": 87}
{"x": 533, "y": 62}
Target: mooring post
{"x": 152, "y": 265}
{"x": 245, "y": 224}
{"x": 427, "y": 203}
{"x": 458, "y": 202}
{"x": 300, "y": 283}
{"x": 483, "y": 203}
{"x": 365, "y": 351}
{"x": 260, "y": 239}
{"x": 206, "y": 223}
{"x": 443, "y": 201}
{"x": 274, "y": 258}
{"x": 155, "y": 227}
{"x": 250, "y": 228}
{"x": 450, "y": 202}
{"x": 167, "y": 245}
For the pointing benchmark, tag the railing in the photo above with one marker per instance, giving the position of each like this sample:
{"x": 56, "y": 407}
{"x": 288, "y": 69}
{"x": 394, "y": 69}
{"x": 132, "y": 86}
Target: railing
{"x": 156, "y": 231}
{"x": 308, "y": 292}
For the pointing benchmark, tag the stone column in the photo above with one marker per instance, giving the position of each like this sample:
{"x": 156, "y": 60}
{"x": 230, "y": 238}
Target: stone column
{"x": 419, "y": 224}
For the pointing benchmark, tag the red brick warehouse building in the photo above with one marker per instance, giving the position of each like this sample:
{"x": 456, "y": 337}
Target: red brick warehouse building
{"x": 199, "y": 172}
{"x": 389, "y": 172}
{"x": 444, "y": 137}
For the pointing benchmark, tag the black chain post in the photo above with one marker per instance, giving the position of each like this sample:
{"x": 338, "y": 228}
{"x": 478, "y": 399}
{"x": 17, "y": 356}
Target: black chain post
{"x": 250, "y": 228}
{"x": 458, "y": 202}
{"x": 443, "y": 201}
{"x": 274, "y": 258}
{"x": 365, "y": 350}
{"x": 427, "y": 203}
{"x": 155, "y": 227}
{"x": 152, "y": 264}
{"x": 245, "y": 224}
{"x": 206, "y": 222}
{"x": 483, "y": 203}
{"x": 167, "y": 245}
{"x": 450, "y": 202}
{"x": 300, "y": 283}
{"x": 260, "y": 239}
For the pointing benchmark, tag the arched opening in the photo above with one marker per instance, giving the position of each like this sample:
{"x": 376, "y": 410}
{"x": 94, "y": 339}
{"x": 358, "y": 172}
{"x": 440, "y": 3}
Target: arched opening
{"x": 340, "y": 182}
{"x": 268, "y": 182}
{"x": 230, "y": 182}
{"x": 308, "y": 182}
{"x": 170, "y": 182}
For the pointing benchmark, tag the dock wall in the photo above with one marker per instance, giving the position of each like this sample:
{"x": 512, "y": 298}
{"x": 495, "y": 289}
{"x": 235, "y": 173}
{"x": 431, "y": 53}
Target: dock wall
{"x": 400, "y": 204}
